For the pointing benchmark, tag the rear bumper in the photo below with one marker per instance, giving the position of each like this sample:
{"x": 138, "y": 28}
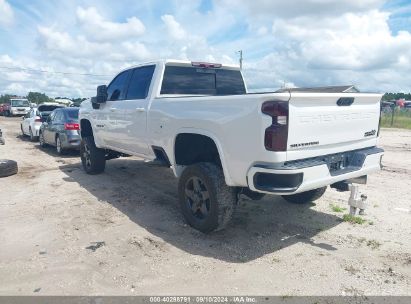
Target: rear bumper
{"x": 70, "y": 141}
{"x": 307, "y": 174}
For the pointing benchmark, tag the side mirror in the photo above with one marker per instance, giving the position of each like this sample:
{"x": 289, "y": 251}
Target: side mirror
{"x": 101, "y": 94}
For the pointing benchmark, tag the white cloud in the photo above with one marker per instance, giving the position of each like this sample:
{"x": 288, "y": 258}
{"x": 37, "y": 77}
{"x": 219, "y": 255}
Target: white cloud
{"x": 99, "y": 29}
{"x": 310, "y": 43}
{"x": 6, "y": 13}
{"x": 295, "y": 8}
{"x": 174, "y": 28}
{"x": 63, "y": 46}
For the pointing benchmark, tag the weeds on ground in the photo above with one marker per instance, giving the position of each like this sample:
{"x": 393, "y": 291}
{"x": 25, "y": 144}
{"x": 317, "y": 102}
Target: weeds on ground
{"x": 373, "y": 244}
{"x": 337, "y": 208}
{"x": 353, "y": 219}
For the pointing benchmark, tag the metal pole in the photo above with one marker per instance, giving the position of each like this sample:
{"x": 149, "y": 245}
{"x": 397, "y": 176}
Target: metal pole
{"x": 241, "y": 59}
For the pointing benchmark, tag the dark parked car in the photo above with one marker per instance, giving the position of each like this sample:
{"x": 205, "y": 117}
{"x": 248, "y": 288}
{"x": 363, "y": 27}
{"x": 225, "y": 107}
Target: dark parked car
{"x": 61, "y": 129}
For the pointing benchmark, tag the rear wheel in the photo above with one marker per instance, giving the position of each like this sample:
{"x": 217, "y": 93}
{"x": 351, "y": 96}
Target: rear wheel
{"x": 305, "y": 197}
{"x": 92, "y": 158}
{"x": 206, "y": 202}
{"x": 32, "y": 137}
{"x": 41, "y": 140}
{"x": 59, "y": 148}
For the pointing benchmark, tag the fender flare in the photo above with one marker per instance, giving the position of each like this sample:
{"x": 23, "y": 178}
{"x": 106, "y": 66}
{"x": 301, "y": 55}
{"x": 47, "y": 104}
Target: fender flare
{"x": 177, "y": 171}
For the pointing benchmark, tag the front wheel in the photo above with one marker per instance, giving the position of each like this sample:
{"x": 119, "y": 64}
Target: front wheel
{"x": 305, "y": 197}
{"x": 206, "y": 202}
{"x": 92, "y": 158}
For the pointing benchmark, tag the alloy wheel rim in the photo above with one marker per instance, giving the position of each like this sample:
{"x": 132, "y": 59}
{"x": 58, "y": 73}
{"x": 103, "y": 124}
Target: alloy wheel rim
{"x": 58, "y": 145}
{"x": 86, "y": 156}
{"x": 197, "y": 197}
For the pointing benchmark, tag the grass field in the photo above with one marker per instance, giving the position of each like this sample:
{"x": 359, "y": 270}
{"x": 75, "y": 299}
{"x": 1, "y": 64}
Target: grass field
{"x": 402, "y": 119}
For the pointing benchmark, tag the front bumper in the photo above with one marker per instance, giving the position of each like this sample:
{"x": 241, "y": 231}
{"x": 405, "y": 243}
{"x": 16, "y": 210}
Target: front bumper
{"x": 307, "y": 174}
{"x": 18, "y": 112}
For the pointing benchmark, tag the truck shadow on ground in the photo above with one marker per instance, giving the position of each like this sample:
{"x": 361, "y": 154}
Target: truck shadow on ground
{"x": 148, "y": 196}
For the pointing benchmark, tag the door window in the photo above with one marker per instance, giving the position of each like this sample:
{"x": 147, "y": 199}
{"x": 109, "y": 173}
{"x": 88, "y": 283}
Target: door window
{"x": 140, "y": 82}
{"x": 116, "y": 89}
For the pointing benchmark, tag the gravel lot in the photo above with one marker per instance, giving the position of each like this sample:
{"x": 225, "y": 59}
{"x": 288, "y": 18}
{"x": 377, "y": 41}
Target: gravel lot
{"x": 63, "y": 232}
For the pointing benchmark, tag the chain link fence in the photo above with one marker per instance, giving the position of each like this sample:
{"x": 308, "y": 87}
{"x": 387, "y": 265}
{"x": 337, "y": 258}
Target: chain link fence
{"x": 393, "y": 116}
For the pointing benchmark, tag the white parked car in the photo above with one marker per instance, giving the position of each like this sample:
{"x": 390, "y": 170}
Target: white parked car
{"x": 35, "y": 117}
{"x": 18, "y": 106}
{"x": 221, "y": 141}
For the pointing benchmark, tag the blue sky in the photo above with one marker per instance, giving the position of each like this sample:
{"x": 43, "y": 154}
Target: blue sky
{"x": 299, "y": 43}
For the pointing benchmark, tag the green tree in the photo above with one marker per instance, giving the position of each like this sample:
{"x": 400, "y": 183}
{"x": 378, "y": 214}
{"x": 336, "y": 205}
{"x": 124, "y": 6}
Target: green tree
{"x": 396, "y": 96}
{"x": 36, "y": 97}
{"x": 5, "y": 98}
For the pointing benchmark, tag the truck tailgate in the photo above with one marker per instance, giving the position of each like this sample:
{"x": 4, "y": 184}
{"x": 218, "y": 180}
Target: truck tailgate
{"x": 326, "y": 123}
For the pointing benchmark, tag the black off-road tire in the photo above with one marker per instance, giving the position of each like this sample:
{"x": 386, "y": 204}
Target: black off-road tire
{"x": 252, "y": 195}
{"x": 222, "y": 198}
{"x": 305, "y": 197}
{"x": 8, "y": 167}
{"x": 92, "y": 158}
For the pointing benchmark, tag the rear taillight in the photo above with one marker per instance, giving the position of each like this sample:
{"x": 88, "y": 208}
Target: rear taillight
{"x": 37, "y": 119}
{"x": 71, "y": 126}
{"x": 276, "y": 135}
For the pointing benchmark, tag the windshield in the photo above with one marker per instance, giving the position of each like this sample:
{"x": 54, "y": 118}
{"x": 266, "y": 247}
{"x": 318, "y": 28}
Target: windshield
{"x": 47, "y": 108}
{"x": 20, "y": 103}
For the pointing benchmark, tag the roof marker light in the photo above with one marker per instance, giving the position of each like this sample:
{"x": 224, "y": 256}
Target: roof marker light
{"x": 206, "y": 65}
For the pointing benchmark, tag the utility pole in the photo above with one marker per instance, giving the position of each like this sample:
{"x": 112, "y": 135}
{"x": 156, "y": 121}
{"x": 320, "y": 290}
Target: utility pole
{"x": 241, "y": 59}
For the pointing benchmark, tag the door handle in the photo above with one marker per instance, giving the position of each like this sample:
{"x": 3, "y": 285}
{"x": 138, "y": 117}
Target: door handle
{"x": 113, "y": 109}
{"x": 140, "y": 109}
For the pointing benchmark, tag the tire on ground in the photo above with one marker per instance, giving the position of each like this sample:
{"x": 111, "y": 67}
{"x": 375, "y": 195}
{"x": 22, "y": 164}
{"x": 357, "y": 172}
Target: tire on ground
{"x": 8, "y": 167}
{"x": 97, "y": 160}
{"x": 305, "y": 197}
{"x": 222, "y": 198}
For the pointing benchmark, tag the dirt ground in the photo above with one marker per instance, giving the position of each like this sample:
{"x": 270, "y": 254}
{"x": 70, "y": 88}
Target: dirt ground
{"x": 63, "y": 232}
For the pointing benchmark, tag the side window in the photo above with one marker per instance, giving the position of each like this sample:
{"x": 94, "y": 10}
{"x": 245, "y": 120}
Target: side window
{"x": 140, "y": 82}
{"x": 51, "y": 116}
{"x": 57, "y": 116}
{"x": 116, "y": 89}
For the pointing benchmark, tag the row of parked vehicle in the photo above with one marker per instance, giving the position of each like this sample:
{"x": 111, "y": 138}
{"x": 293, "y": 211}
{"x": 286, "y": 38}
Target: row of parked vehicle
{"x": 54, "y": 125}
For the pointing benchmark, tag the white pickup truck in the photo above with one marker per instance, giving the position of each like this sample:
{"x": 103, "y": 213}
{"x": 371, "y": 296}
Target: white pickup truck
{"x": 221, "y": 141}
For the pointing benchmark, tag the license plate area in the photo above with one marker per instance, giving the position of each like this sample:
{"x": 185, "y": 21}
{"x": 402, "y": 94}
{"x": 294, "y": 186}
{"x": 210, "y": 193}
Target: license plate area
{"x": 344, "y": 162}
{"x": 339, "y": 162}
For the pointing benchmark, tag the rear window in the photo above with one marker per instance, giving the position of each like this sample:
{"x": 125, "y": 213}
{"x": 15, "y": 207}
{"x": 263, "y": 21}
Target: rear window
{"x": 47, "y": 108}
{"x": 72, "y": 114}
{"x": 202, "y": 81}
{"x": 20, "y": 103}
